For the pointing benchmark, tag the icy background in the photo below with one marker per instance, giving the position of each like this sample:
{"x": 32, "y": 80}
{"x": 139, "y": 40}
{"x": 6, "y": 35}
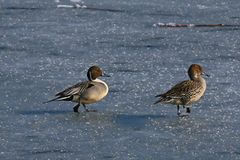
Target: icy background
{"x": 45, "y": 47}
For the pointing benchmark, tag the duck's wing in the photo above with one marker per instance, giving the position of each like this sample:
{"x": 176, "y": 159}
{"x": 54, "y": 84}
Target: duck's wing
{"x": 179, "y": 91}
{"x": 68, "y": 93}
{"x": 76, "y": 89}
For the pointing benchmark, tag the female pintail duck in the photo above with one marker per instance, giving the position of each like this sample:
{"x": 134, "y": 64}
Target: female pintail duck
{"x": 186, "y": 92}
{"x": 86, "y": 92}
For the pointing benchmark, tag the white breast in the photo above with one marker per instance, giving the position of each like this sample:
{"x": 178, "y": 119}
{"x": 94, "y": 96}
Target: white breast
{"x": 95, "y": 93}
{"x": 104, "y": 91}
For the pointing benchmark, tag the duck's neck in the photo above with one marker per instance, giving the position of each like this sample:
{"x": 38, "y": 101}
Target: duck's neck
{"x": 100, "y": 81}
{"x": 97, "y": 80}
{"x": 203, "y": 82}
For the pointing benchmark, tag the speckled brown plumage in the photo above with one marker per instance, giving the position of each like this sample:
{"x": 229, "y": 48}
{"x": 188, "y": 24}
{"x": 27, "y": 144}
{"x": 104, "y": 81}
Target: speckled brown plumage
{"x": 186, "y": 92}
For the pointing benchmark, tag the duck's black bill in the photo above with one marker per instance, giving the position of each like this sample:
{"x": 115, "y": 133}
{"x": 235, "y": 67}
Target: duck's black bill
{"x": 206, "y": 75}
{"x": 106, "y": 75}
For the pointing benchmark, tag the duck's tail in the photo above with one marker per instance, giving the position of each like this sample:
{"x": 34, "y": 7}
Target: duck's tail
{"x": 69, "y": 98}
{"x": 160, "y": 99}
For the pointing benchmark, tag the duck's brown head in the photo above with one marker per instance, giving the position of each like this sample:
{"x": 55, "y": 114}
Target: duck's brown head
{"x": 195, "y": 71}
{"x": 94, "y": 72}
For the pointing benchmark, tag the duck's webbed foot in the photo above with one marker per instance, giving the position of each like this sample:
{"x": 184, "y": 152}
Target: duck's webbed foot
{"x": 178, "y": 110}
{"x": 186, "y": 113}
{"x": 75, "y": 108}
{"x": 188, "y": 110}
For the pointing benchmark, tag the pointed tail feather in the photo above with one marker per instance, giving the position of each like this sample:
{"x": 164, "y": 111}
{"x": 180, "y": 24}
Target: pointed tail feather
{"x": 54, "y": 99}
{"x": 157, "y": 101}
{"x": 160, "y": 99}
{"x": 69, "y": 98}
{"x": 159, "y": 95}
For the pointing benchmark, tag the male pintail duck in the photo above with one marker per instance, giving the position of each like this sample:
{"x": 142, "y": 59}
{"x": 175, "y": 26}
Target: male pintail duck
{"x": 186, "y": 92}
{"x": 86, "y": 92}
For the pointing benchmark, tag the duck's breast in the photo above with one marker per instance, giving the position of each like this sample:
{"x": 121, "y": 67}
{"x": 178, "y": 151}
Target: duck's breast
{"x": 94, "y": 93}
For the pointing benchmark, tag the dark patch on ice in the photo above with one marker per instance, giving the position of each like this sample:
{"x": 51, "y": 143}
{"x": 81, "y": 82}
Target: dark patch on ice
{"x": 23, "y": 8}
{"x": 42, "y": 112}
{"x": 238, "y": 153}
{"x": 8, "y": 48}
{"x": 91, "y": 8}
{"x": 152, "y": 38}
{"x": 222, "y": 29}
{"x": 50, "y": 151}
{"x": 32, "y": 137}
{"x": 235, "y": 17}
{"x": 104, "y": 9}
{"x": 108, "y": 157}
{"x": 224, "y": 84}
{"x": 7, "y": 27}
{"x": 104, "y": 42}
{"x": 225, "y": 153}
{"x": 4, "y": 48}
{"x": 141, "y": 46}
{"x": 165, "y": 14}
{"x": 224, "y": 57}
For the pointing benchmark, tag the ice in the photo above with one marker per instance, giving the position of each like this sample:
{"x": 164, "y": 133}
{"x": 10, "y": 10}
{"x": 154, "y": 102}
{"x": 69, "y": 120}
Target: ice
{"x": 45, "y": 49}
{"x": 202, "y": 6}
{"x": 65, "y": 6}
{"x": 77, "y": 1}
{"x": 71, "y": 6}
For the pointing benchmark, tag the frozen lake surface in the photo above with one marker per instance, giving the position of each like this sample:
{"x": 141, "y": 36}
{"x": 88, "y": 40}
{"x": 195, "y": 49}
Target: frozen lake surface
{"x": 46, "y": 46}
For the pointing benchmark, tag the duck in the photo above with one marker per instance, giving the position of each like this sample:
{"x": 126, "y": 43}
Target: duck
{"x": 186, "y": 92}
{"x": 86, "y": 92}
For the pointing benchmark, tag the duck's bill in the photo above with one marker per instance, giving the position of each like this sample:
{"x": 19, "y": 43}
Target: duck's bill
{"x": 205, "y": 74}
{"x": 106, "y": 75}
